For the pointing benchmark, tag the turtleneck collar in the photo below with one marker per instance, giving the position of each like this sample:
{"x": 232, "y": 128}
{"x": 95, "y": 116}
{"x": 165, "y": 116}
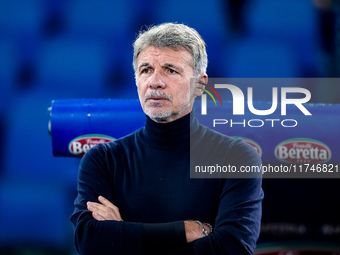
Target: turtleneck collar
{"x": 169, "y": 135}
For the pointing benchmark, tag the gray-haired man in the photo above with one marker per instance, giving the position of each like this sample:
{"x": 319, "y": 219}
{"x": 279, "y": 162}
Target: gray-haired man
{"x": 135, "y": 195}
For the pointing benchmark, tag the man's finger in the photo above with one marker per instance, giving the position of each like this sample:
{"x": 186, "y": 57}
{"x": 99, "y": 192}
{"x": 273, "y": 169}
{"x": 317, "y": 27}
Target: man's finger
{"x": 97, "y": 216}
{"x": 107, "y": 203}
{"x": 96, "y": 207}
{"x": 105, "y": 212}
{"x": 101, "y": 212}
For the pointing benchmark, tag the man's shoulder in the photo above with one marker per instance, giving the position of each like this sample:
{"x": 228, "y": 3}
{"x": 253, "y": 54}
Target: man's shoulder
{"x": 211, "y": 148}
{"x": 209, "y": 138}
{"x": 117, "y": 145}
{"x": 208, "y": 135}
{"x": 124, "y": 141}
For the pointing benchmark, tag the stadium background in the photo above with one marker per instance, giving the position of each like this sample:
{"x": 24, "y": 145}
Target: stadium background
{"x": 62, "y": 49}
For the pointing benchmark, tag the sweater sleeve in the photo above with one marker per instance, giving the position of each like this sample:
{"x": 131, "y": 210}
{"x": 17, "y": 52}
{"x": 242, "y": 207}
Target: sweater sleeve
{"x": 114, "y": 237}
{"x": 237, "y": 225}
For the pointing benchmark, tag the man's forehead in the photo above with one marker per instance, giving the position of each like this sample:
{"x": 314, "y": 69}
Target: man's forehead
{"x": 169, "y": 54}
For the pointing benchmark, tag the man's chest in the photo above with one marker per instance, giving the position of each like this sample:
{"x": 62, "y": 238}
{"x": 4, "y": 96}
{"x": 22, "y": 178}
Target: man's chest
{"x": 157, "y": 190}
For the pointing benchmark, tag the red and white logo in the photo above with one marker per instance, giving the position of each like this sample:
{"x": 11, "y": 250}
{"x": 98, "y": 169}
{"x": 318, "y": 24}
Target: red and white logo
{"x": 302, "y": 150}
{"x": 81, "y": 144}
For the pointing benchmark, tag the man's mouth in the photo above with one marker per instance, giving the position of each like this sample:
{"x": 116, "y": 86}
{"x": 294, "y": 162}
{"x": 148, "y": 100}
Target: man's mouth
{"x": 157, "y": 97}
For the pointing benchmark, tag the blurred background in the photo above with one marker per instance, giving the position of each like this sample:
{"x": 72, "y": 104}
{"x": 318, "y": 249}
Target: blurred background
{"x": 58, "y": 49}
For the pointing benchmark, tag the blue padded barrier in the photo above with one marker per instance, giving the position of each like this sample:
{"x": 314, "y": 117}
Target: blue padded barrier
{"x": 77, "y": 122}
{"x": 94, "y": 119}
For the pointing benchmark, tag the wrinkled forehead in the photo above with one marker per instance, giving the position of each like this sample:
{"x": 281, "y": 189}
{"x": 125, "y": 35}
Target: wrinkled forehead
{"x": 170, "y": 55}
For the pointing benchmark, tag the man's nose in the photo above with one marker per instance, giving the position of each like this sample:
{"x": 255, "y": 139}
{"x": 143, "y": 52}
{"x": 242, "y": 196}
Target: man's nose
{"x": 156, "y": 81}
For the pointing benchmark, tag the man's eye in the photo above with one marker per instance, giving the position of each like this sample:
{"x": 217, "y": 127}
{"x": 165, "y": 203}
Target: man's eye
{"x": 146, "y": 70}
{"x": 171, "y": 71}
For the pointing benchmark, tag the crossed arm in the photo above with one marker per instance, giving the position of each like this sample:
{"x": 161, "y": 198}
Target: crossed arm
{"x": 105, "y": 210}
{"x": 100, "y": 229}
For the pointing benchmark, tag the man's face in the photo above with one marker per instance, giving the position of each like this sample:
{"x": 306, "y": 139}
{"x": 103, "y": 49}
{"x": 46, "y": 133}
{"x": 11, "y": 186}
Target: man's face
{"x": 163, "y": 82}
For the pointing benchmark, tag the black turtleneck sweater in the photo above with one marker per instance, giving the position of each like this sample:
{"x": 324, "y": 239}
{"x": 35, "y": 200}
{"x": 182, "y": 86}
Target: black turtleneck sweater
{"x": 146, "y": 175}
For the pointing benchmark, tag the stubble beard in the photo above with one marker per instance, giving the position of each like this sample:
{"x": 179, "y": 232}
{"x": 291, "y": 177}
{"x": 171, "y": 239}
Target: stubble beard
{"x": 158, "y": 115}
{"x": 154, "y": 110}
{"x": 159, "y": 112}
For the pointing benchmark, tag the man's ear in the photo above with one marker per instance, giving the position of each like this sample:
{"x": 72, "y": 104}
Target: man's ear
{"x": 203, "y": 79}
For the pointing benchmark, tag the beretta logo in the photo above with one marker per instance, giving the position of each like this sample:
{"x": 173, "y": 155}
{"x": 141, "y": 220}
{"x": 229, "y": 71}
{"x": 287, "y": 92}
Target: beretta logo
{"x": 302, "y": 150}
{"x": 81, "y": 144}
{"x": 251, "y": 142}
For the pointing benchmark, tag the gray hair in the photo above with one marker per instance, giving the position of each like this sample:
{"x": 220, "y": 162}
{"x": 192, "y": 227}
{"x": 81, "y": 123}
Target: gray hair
{"x": 173, "y": 36}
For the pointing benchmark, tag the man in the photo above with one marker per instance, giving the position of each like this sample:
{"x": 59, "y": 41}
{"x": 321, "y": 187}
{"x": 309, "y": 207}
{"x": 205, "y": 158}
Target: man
{"x": 135, "y": 195}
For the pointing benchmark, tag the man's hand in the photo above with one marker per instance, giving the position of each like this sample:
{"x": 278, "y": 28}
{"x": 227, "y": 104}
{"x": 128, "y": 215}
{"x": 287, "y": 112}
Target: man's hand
{"x": 193, "y": 230}
{"x": 104, "y": 210}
